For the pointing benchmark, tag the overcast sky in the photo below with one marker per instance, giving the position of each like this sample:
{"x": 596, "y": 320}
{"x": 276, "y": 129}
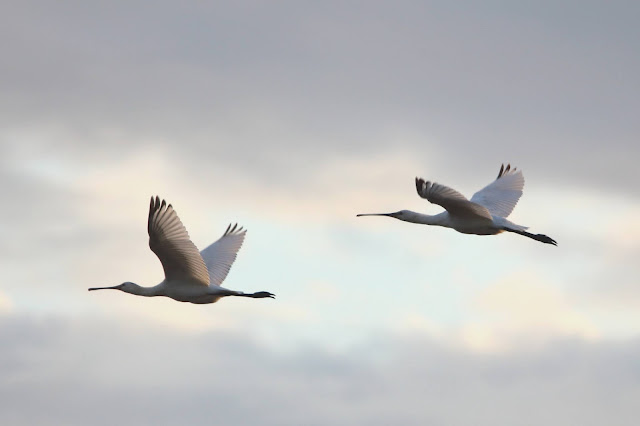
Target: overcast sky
{"x": 290, "y": 118}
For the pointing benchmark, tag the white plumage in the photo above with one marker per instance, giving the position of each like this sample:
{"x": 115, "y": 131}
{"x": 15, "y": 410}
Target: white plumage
{"x": 219, "y": 256}
{"x": 501, "y": 196}
{"x": 190, "y": 276}
{"x": 485, "y": 214}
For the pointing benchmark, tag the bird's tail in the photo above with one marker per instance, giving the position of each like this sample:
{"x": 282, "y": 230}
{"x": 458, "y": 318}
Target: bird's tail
{"x": 504, "y": 224}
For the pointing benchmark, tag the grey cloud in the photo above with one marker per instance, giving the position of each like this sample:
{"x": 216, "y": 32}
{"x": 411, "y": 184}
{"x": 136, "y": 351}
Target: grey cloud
{"x": 59, "y": 371}
{"x": 43, "y": 226}
{"x": 614, "y": 283}
{"x": 272, "y": 92}
{"x": 276, "y": 89}
{"x": 36, "y": 210}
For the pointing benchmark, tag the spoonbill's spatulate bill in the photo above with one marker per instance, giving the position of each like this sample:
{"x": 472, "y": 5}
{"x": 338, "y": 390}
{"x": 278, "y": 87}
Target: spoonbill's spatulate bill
{"x": 485, "y": 214}
{"x": 189, "y": 276}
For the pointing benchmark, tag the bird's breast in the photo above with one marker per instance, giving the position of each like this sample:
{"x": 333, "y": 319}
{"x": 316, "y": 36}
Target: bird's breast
{"x": 188, "y": 292}
{"x": 478, "y": 226}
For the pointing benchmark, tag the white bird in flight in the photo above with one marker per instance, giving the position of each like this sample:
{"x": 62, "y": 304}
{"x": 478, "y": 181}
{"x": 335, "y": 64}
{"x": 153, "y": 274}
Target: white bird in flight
{"x": 190, "y": 276}
{"x": 485, "y": 214}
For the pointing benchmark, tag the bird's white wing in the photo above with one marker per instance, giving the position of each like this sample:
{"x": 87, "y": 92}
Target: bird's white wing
{"x": 169, "y": 240}
{"x": 220, "y": 255}
{"x": 501, "y": 196}
{"x": 453, "y": 201}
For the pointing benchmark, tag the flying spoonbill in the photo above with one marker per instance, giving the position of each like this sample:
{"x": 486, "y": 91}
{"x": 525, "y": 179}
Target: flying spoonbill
{"x": 189, "y": 276}
{"x": 485, "y": 214}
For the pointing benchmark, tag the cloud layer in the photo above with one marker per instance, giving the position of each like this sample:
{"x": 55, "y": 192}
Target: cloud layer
{"x": 291, "y": 119}
{"x": 79, "y": 372}
{"x": 274, "y": 91}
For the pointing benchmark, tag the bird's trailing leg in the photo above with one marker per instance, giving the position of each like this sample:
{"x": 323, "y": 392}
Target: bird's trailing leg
{"x": 538, "y": 237}
{"x": 258, "y": 295}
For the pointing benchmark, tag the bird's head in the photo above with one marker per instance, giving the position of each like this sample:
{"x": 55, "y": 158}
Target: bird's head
{"x": 402, "y": 214}
{"x": 127, "y": 287}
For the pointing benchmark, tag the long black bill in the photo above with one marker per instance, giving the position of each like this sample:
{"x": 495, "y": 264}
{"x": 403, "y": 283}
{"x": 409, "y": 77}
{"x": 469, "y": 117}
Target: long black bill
{"x": 373, "y": 214}
{"x": 115, "y": 287}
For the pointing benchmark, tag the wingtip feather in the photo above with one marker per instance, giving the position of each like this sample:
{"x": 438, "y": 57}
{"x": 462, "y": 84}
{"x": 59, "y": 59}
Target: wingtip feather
{"x": 234, "y": 229}
{"x": 507, "y": 170}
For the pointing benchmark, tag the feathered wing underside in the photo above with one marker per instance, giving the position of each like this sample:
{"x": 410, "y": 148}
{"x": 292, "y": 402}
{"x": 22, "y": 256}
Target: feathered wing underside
{"x": 501, "y": 196}
{"x": 169, "y": 240}
{"x": 220, "y": 255}
{"x": 454, "y": 202}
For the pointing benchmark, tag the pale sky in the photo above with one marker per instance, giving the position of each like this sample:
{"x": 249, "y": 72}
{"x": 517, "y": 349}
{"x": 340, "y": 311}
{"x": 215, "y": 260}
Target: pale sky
{"x": 290, "y": 118}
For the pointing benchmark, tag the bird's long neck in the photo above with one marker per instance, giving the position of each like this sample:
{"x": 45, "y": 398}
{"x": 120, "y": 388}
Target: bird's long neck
{"x": 439, "y": 219}
{"x": 142, "y": 291}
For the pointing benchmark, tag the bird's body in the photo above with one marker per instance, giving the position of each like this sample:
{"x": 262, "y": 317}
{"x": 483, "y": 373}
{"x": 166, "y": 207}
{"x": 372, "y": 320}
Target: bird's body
{"x": 182, "y": 291}
{"x": 190, "y": 276}
{"x": 484, "y": 214}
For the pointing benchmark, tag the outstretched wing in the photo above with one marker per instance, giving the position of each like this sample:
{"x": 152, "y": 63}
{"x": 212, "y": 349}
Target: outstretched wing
{"x": 453, "y": 201}
{"x": 501, "y": 196}
{"x": 169, "y": 240}
{"x": 220, "y": 255}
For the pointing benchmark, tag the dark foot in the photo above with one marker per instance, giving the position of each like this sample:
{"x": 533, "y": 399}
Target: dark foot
{"x": 262, "y": 294}
{"x": 545, "y": 239}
